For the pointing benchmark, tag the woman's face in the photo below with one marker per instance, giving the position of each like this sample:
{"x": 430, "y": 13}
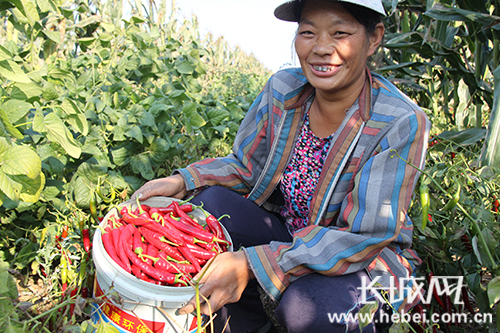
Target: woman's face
{"x": 332, "y": 47}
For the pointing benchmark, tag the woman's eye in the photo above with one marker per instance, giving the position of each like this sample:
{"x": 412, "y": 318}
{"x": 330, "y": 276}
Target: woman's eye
{"x": 340, "y": 33}
{"x": 306, "y": 33}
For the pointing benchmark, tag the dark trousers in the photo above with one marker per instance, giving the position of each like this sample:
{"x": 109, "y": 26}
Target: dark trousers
{"x": 309, "y": 304}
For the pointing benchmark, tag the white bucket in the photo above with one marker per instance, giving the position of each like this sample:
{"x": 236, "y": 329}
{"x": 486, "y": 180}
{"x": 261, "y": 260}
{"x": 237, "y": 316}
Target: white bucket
{"x": 138, "y": 304}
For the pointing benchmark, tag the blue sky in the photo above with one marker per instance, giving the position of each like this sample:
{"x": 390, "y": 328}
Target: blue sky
{"x": 247, "y": 23}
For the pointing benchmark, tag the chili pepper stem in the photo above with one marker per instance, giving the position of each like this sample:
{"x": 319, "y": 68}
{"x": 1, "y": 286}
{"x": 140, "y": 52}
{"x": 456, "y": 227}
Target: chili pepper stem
{"x": 495, "y": 268}
{"x": 139, "y": 205}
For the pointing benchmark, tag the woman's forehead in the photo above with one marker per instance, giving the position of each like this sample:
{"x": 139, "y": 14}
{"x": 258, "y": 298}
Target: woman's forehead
{"x": 326, "y": 9}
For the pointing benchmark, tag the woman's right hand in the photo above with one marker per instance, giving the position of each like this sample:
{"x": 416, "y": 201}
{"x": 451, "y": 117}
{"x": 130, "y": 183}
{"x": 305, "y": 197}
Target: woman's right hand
{"x": 172, "y": 186}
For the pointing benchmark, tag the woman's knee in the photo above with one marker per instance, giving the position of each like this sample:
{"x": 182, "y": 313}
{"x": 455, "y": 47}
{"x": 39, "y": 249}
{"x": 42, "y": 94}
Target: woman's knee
{"x": 317, "y": 303}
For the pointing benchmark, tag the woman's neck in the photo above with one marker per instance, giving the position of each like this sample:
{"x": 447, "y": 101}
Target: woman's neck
{"x": 328, "y": 111}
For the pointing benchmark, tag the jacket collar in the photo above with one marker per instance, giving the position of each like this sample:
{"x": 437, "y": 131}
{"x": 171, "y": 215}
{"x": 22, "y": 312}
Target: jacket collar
{"x": 303, "y": 92}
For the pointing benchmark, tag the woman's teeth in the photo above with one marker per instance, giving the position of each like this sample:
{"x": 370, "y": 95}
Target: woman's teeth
{"x": 322, "y": 68}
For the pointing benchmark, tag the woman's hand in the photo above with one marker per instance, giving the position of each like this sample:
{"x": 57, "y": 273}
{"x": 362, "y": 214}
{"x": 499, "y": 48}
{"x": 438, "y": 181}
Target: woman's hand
{"x": 226, "y": 278}
{"x": 172, "y": 186}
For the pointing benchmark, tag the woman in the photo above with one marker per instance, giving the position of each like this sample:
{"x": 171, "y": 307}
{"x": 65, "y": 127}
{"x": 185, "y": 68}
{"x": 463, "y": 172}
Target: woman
{"x": 317, "y": 157}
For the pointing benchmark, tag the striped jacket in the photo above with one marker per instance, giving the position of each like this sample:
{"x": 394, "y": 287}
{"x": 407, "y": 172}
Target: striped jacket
{"x": 358, "y": 214}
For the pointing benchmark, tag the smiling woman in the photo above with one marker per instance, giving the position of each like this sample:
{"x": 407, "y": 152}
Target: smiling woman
{"x": 316, "y": 197}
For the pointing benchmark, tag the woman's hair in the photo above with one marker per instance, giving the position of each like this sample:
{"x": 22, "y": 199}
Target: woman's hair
{"x": 365, "y": 16}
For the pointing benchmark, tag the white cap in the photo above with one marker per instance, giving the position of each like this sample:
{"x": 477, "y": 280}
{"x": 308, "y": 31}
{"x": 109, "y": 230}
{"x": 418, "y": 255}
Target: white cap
{"x": 289, "y": 11}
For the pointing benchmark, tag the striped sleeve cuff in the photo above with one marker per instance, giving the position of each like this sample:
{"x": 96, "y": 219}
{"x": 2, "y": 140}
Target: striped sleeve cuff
{"x": 189, "y": 179}
{"x": 267, "y": 271}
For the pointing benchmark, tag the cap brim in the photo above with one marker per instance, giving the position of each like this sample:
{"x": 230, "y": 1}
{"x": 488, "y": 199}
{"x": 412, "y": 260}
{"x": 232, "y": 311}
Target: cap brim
{"x": 289, "y": 11}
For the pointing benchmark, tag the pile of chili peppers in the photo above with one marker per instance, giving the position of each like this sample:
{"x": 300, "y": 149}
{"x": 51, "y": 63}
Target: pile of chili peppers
{"x": 163, "y": 245}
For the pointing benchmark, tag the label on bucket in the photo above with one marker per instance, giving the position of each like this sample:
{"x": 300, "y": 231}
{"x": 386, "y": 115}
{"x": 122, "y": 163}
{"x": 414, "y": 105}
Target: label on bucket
{"x": 128, "y": 322}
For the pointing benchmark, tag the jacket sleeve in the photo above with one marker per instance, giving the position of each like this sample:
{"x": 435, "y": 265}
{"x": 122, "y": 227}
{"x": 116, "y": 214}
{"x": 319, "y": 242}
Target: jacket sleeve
{"x": 371, "y": 217}
{"x": 239, "y": 170}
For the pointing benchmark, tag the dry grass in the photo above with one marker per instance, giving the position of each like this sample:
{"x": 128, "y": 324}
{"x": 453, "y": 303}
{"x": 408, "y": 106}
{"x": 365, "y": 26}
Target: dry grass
{"x": 269, "y": 307}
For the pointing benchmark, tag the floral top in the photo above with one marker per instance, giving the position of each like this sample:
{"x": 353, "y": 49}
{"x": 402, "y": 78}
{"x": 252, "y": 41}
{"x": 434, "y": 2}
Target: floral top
{"x": 301, "y": 176}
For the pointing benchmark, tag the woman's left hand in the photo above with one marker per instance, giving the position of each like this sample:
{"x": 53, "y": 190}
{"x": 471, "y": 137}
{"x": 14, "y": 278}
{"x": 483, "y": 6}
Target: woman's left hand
{"x": 226, "y": 278}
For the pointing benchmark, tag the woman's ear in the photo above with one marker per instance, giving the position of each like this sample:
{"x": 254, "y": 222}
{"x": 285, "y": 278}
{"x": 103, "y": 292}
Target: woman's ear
{"x": 376, "y": 38}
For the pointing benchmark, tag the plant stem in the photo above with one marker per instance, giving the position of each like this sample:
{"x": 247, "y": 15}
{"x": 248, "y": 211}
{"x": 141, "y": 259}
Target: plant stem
{"x": 495, "y": 267}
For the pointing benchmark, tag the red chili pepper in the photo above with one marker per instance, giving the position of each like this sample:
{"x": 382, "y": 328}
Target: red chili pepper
{"x": 64, "y": 234}
{"x": 193, "y": 231}
{"x": 145, "y": 208}
{"x": 125, "y": 243}
{"x": 188, "y": 239}
{"x": 152, "y": 251}
{"x": 182, "y": 214}
{"x": 150, "y": 270}
{"x": 136, "y": 271}
{"x": 189, "y": 255}
{"x": 85, "y": 292}
{"x": 137, "y": 244}
{"x": 86, "y": 240}
{"x": 420, "y": 324}
{"x": 466, "y": 242}
{"x": 115, "y": 236}
{"x": 164, "y": 229}
{"x": 73, "y": 293}
{"x": 162, "y": 262}
{"x": 142, "y": 219}
{"x": 111, "y": 250}
{"x": 156, "y": 239}
{"x": 435, "y": 295}
{"x": 201, "y": 253}
{"x": 214, "y": 225}
{"x": 465, "y": 297}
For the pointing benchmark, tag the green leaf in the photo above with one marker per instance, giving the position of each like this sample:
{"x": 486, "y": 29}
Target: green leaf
{"x": 5, "y": 53}
{"x": 4, "y": 145}
{"x": 88, "y": 21}
{"x": 7, "y": 284}
{"x": 193, "y": 118}
{"x": 217, "y": 116}
{"x": 9, "y": 127}
{"x": 9, "y": 188}
{"x": 147, "y": 119}
{"x": 31, "y": 188}
{"x": 159, "y": 150}
{"x": 20, "y": 160}
{"x": 76, "y": 117}
{"x": 54, "y": 36}
{"x": 451, "y": 14}
{"x": 81, "y": 191}
{"x": 136, "y": 133}
{"x": 15, "y": 109}
{"x": 49, "y": 92}
{"x": 365, "y": 313}
{"x": 142, "y": 164}
{"x": 31, "y": 11}
{"x": 60, "y": 76}
{"x": 494, "y": 291}
{"x": 45, "y": 6}
{"x": 54, "y": 128}
{"x": 185, "y": 67}
{"x": 464, "y": 138}
{"x": 25, "y": 91}
{"x": 491, "y": 150}
{"x": 12, "y": 71}
{"x": 121, "y": 156}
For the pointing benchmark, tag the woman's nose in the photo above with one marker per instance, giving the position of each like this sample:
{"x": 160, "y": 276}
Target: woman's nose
{"x": 324, "y": 45}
